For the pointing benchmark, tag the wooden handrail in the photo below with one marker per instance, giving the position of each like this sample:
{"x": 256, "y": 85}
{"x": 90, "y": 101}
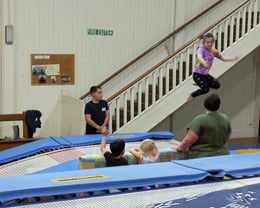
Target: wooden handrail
{"x": 174, "y": 53}
{"x": 154, "y": 46}
{"x": 12, "y": 117}
{"x": 16, "y": 117}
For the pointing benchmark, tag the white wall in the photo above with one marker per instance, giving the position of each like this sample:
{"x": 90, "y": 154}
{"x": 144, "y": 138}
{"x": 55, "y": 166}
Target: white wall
{"x": 240, "y": 94}
{"x": 1, "y": 46}
{"x": 257, "y": 60}
{"x": 67, "y": 115}
{"x": 60, "y": 26}
{"x": 183, "y": 11}
{"x": 207, "y": 20}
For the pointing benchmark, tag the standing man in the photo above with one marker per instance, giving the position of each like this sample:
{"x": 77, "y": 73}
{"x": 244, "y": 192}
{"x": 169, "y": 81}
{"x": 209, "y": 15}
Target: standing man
{"x": 96, "y": 112}
{"x": 208, "y": 133}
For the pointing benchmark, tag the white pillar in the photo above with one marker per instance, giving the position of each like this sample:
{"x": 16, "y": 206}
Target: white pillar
{"x": 7, "y": 71}
{"x": 8, "y": 96}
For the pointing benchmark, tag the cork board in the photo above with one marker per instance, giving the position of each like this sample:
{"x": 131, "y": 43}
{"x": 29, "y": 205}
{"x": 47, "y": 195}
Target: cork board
{"x": 52, "y": 69}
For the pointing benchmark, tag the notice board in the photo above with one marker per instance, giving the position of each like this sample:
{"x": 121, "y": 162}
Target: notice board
{"x": 52, "y": 69}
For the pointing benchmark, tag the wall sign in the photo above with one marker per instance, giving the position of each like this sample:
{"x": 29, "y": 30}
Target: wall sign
{"x": 100, "y": 32}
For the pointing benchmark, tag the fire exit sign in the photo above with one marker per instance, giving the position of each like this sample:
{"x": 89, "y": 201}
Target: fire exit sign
{"x": 100, "y": 32}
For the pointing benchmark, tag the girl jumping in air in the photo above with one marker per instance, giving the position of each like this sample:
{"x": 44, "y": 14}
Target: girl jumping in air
{"x": 205, "y": 56}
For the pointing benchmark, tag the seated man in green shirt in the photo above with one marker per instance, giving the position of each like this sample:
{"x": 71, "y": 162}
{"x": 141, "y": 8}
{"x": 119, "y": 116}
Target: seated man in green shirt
{"x": 208, "y": 133}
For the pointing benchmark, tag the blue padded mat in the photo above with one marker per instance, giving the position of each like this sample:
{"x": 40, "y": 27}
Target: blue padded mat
{"x": 96, "y": 179}
{"x": 82, "y": 140}
{"x": 61, "y": 141}
{"x": 128, "y": 137}
{"x": 28, "y": 149}
{"x": 233, "y": 165}
{"x": 131, "y": 137}
{"x": 65, "y": 166}
{"x": 51, "y": 143}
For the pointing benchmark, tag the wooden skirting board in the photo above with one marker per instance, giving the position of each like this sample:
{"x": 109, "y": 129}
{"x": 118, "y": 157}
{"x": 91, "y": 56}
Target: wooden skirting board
{"x": 246, "y": 140}
{"x": 9, "y": 143}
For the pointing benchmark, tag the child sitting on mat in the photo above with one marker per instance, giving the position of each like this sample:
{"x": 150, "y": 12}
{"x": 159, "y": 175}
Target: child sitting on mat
{"x": 117, "y": 148}
{"x": 113, "y": 158}
{"x": 116, "y": 156}
{"x": 146, "y": 153}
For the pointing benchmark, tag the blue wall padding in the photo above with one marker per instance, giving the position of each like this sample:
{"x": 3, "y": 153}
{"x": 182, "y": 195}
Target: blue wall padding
{"x": 50, "y": 143}
{"x": 233, "y": 165}
{"x": 116, "y": 177}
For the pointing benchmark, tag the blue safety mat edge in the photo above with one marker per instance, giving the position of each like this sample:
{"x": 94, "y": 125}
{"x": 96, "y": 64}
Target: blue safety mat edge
{"x": 127, "y": 137}
{"x": 28, "y": 149}
{"x": 232, "y": 165}
{"x": 57, "y": 183}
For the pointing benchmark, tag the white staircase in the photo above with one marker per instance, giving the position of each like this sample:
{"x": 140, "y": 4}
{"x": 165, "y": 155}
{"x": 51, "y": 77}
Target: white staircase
{"x": 163, "y": 89}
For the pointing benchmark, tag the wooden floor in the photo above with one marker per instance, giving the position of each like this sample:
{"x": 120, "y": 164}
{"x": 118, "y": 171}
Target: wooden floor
{"x": 249, "y": 140}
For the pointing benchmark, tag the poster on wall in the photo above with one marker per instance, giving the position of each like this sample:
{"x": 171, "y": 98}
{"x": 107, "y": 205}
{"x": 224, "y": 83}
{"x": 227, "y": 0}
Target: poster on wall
{"x": 38, "y": 69}
{"x": 43, "y": 71}
{"x": 52, "y": 69}
{"x": 65, "y": 79}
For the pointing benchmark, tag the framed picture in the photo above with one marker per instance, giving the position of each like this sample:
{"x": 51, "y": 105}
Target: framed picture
{"x": 52, "y": 69}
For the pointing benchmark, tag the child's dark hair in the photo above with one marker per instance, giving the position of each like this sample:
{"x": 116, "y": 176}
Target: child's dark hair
{"x": 93, "y": 89}
{"x": 117, "y": 147}
{"x": 205, "y": 36}
{"x": 212, "y": 102}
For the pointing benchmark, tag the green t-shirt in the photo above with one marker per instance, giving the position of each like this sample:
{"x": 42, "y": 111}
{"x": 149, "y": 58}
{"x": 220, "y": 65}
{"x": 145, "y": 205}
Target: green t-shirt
{"x": 213, "y": 130}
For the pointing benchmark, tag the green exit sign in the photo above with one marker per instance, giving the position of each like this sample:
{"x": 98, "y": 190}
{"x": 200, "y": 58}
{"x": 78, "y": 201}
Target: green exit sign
{"x": 101, "y": 32}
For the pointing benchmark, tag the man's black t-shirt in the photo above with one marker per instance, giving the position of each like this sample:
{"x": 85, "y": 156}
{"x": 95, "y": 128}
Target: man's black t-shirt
{"x": 112, "y": 161}
{"x": 97, "y": 112}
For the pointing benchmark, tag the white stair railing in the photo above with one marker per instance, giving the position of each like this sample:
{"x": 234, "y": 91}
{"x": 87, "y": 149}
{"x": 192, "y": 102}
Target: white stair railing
{"x": 176, "y": 69}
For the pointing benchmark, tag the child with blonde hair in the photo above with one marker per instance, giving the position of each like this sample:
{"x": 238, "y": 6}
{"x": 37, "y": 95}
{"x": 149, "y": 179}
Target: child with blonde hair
{"x": 146, "y": 153}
